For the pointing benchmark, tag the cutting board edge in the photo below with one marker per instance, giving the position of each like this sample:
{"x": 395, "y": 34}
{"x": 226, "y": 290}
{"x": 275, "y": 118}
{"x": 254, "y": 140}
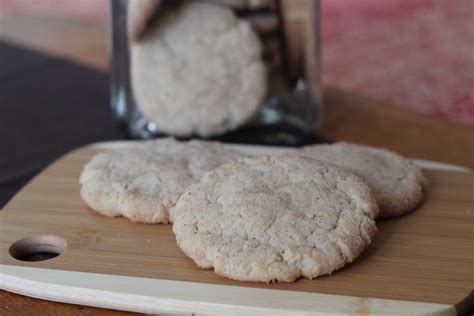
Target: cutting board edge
{"x": 147, "y": 295}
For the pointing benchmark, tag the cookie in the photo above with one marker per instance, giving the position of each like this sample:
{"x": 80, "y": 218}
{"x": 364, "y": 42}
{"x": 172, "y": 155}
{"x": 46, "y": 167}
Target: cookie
{"x": 396, "y": 182}
{"x": 143, "y": 181}
{"x": 267, "y": 219}
{"x": 198, "y": 71}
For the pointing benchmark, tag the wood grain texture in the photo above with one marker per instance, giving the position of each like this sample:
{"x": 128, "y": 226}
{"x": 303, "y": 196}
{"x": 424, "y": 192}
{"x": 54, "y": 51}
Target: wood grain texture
{"x": 352, "y": 117}
{"x": 426, "y": 256}
{"x": 82, "y": 42}
{"x": 14, "y": 304}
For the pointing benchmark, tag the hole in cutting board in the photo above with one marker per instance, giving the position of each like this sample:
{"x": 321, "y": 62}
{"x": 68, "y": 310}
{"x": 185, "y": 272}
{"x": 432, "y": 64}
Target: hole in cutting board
{"x": 38, "y": 248}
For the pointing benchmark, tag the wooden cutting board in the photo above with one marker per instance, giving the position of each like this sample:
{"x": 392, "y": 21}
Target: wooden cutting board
{"x": 419, "y": 263}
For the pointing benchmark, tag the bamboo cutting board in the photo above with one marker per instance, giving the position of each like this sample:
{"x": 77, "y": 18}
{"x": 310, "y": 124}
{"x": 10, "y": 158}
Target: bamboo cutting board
{"x": 419, "y": 263}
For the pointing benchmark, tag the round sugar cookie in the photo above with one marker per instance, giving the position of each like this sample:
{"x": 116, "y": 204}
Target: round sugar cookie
{"x": 198, "y": 71}
{"x": 143, "y": 181}
{"x": 267, "y": 219}
{"x": 396, "y": 182}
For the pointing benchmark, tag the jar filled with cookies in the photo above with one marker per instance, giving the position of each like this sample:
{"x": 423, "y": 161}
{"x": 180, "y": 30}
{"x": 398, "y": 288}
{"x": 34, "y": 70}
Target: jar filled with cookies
{"x": 244, "y": 71}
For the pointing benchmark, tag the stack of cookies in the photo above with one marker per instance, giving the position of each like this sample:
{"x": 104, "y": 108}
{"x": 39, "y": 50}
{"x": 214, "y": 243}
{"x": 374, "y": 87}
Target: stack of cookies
{"x": 190, "y": 59}
{"x": 256, "y": 218}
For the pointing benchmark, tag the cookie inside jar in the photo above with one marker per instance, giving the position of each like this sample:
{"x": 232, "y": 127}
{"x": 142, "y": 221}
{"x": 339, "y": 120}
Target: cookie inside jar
{"x": 235, "y": 70}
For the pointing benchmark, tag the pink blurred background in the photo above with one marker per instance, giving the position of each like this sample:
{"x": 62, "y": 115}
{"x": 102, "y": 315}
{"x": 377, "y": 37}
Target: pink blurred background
{"x": 417, "y": 54}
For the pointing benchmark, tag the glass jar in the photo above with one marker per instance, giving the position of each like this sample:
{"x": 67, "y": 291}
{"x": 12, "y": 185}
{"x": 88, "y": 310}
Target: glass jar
{"x": 291, "y": 111}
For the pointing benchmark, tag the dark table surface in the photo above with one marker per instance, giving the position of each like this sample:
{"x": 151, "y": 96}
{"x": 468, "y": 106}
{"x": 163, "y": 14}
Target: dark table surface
{"x": 48, "y": 106}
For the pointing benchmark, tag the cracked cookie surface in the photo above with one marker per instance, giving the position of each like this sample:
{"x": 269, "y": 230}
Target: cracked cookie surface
{"x": 198, "y": 70}
{"x": 397, "y": 183}
{"x": 143, "y": 181}
{"x": 267, "y": 219}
